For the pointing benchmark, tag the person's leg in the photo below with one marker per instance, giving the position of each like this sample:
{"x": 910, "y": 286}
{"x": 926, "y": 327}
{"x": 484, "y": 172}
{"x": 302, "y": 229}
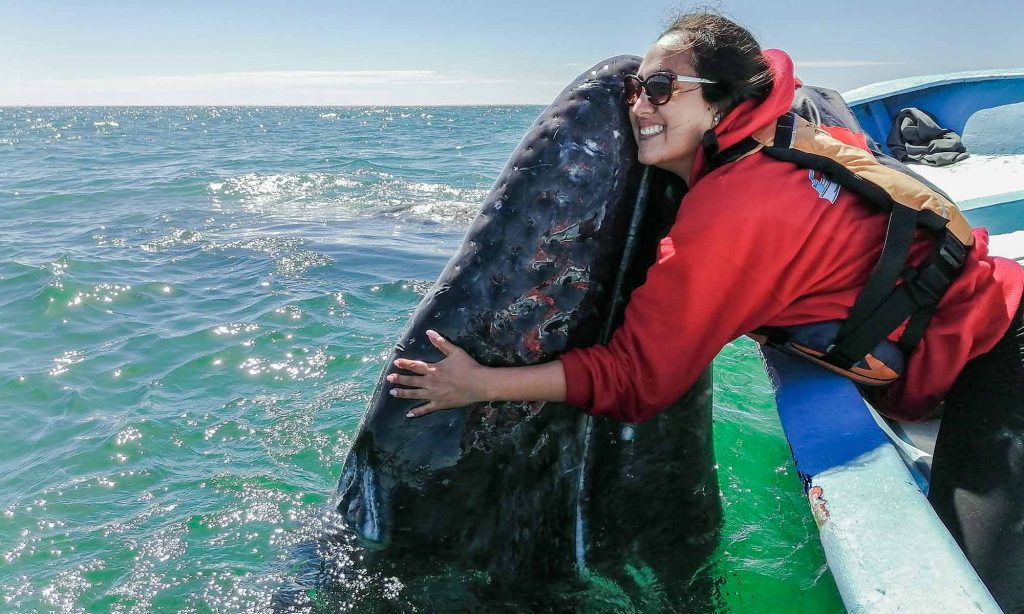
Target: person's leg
{"x": 977, "y": 485}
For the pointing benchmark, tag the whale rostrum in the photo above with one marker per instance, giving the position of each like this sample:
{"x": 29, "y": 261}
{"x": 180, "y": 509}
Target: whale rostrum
{"x": 532, "y": 489}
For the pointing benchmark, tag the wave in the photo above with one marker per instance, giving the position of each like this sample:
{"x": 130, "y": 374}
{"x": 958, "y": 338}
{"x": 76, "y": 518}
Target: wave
{"x": 286, "y": 252}
{"x": 344, "y": 196}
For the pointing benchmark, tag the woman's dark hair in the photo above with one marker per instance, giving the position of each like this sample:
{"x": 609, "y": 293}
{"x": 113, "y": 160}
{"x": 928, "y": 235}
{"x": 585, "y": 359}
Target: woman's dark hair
{"x": 726, "y": 52}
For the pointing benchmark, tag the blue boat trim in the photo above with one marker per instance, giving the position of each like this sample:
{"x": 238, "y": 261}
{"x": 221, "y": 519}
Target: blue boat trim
{"x": 818, "y": 444}
{"x": 907, "y": 85}
{"x": 952, "y": 98}
{"x": 885, "y": 546}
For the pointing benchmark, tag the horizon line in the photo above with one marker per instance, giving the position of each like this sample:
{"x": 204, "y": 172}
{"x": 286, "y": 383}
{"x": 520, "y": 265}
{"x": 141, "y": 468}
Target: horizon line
{"x": 255, "y": 105}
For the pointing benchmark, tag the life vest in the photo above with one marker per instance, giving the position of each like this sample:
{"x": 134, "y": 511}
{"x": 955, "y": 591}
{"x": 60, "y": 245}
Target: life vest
{"x": 858, "y": 347}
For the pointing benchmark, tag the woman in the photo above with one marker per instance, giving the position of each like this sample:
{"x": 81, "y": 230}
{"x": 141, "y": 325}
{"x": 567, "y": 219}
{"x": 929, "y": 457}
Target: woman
{"x": 755, "y": 244}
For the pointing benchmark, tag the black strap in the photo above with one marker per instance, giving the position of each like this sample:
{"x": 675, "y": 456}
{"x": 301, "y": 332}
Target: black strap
{"x": 784, "y": 130}
{"x": 774, "y": 336}
{"x": 937, "y": 274}
{"x": 853, "y": 335}
{"x": 914, "y": 301}
{"x": 785, "y": 127}
{"x": 893, "y": 311}
{"x": 709, "y": 143}
{"x": 915, "y": 329}
{"x": 716, "y": 157}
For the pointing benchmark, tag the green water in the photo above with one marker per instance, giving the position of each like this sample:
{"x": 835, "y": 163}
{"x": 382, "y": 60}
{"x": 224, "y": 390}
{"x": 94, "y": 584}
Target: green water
{"x": 194, "y": 306}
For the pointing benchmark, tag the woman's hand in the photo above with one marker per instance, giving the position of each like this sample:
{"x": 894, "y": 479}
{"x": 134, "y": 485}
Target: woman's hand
{"x": 455, "y": 381}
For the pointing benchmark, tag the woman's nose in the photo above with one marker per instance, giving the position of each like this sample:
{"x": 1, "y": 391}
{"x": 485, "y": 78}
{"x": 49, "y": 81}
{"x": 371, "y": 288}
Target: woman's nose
{"x": 642, "y": 106}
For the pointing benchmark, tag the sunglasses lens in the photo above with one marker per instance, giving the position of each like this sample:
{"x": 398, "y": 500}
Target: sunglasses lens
{"x": 632, "y": 89}
{"x": 659, "y": 89}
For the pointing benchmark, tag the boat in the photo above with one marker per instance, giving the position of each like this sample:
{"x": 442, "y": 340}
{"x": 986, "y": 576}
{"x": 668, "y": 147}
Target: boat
{"x": 861, "y": 471}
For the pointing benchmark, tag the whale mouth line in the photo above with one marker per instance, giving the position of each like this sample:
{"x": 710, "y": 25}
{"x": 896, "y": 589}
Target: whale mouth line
{"x": 361, "y": 502}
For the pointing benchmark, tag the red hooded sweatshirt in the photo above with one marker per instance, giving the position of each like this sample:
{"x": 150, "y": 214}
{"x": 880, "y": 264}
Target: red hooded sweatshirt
{"x": 755, "y": 245}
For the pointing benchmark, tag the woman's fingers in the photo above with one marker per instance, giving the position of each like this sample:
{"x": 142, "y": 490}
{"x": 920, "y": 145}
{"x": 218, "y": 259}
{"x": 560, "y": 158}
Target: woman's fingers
{"x": 410, "y": 393}
{"x": 414, "y": 381}
{"x": 416, "y": 366}
{"x": 421, "y": 367}
{"x": 440, "y": 342}
{"x": 444, "y": 384}
{"x": 422, "y": 410}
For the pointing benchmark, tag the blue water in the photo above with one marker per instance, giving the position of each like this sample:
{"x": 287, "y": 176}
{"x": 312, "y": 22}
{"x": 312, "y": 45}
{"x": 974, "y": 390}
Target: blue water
{"x": 195, "y": 304}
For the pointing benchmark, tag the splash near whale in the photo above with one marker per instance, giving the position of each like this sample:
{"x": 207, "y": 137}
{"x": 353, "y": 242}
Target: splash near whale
{"x": 530, "y": 490}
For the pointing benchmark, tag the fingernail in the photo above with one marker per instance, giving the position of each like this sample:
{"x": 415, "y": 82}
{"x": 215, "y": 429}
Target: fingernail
{"x": 390, "y": 378}
{"x": 393, "y": 392}
{"x": 410, "y": 415}
{"x": 432, "y": 334}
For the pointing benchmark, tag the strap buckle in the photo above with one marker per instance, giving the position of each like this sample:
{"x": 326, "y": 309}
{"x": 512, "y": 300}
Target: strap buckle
{"x": 952, "y": 251}
{"x": 835, "y": 355}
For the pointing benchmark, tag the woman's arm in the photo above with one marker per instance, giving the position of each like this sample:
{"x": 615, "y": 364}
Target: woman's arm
{"x": 458, "y": 380}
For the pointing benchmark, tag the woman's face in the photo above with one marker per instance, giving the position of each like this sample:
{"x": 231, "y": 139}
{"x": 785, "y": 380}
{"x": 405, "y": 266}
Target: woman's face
{"x": 668, "y": 135}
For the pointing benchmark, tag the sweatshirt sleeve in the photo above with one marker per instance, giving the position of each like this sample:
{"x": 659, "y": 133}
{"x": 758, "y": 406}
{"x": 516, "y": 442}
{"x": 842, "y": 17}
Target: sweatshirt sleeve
{"x": 717, "y": 275}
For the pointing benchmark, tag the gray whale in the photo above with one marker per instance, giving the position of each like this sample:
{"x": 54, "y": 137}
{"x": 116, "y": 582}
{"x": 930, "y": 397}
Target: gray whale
{"x": 526, "y": 489}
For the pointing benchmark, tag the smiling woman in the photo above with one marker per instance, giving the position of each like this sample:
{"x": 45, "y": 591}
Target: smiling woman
{"x": 756, "y": 244}
{"x": 731, "y": 70}
{"x": 197, "y": 302}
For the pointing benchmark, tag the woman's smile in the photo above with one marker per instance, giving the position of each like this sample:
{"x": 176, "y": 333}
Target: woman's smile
{"x": 651, "y": 130}
{"x": 669, "y": 134}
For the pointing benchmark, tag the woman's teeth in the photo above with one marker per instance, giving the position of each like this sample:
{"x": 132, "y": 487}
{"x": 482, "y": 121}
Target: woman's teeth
{"x": 652, "y": 130}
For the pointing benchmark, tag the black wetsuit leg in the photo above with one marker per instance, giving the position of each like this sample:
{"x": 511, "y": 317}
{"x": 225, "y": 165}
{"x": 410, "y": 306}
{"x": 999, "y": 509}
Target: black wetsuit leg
{"x": 977, "y": 485}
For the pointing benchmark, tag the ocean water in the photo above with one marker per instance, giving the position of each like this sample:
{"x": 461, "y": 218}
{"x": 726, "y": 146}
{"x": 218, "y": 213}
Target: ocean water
{"x": 195, "y": 304}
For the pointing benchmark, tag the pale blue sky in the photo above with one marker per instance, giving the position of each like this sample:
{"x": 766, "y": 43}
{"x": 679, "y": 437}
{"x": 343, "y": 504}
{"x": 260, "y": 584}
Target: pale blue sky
{"x": 456, "y": 52}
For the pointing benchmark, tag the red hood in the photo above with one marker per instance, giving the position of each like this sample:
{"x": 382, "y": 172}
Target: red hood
{"x": 750, "y": 116}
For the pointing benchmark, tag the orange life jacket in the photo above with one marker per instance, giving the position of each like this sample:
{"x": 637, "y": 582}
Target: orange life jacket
{"x": 858, "y": 347}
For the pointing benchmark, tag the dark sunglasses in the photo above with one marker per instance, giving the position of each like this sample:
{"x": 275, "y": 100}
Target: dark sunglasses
{"x": 657, "y": 86}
